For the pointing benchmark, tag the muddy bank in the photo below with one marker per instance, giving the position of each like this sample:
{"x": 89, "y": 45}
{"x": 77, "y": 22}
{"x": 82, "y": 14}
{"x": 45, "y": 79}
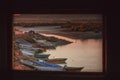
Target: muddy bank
{"x": 78, "y": 35}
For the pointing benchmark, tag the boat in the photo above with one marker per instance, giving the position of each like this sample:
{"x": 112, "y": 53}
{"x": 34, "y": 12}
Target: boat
{"x": 33, "y": 65}
{"x": 47, "y": 64}
{"x": 27, "y": 52}
{"x": 35, "y": 50}
{"x": 73, "y": 69}
{"x": 56, "y": 60}
{"x": 42, "y": 68}
{"x": 41, "y": 55}
{"x": 23, "y": 43}
{"x": 27, "y": 63}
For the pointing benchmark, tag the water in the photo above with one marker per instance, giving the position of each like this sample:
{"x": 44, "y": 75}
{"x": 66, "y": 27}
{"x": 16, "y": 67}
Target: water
{"x": 86, "y": 53}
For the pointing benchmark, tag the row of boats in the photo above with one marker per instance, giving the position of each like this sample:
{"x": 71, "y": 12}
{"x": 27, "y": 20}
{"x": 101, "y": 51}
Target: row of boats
{"x": 46, "y": 66}
{"x": 42, "y": 61}
{"x": 43, "y": 56}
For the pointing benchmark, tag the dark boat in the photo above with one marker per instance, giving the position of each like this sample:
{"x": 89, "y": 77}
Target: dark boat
{"x": 73, "y": 69}
{"x": 56, "y": 60}
{"x": 41, "y": 55}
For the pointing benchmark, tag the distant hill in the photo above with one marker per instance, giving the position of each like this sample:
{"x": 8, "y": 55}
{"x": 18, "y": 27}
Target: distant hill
{"x": 56, "y": 18}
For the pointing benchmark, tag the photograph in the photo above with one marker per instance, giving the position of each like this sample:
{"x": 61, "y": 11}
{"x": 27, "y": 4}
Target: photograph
{"x": 57, "y": 42}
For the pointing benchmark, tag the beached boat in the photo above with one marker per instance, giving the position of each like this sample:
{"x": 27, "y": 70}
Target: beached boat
{"x": 35, "y": 66}
{"x": 27, "y": 52}
{"x": 23, "y": 42}
{"x": 24, "y": 46}
{"x": 27, "y": 63}
{"x": 56, "y": 60}
{"x": 42, "y": 68}
{"x": 41, "y": 55}
{"x": 35, "y": 50}
{"x": 73, "y": 69}
{"x": 47, "y": 64}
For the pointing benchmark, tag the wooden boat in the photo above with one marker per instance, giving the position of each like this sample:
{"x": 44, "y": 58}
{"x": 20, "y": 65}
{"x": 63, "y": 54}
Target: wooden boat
{"x": 25, "y": 46}
{"x": 73, "y": 69}
{"x": 43, "y": 68}
{"x": 26, "y": 52}
{"x": 47, "y": 64}
{"x": 23, "y": 43}
{"x": 27, "y": 63}
{"x": 35, "y": 66}
{"x": 56, "y": 60}
{"x": 35, "y": 50}
{"x": 41, "y": 55}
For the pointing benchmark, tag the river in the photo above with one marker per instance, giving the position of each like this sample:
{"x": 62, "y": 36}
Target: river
{"x": 86, "y": 53}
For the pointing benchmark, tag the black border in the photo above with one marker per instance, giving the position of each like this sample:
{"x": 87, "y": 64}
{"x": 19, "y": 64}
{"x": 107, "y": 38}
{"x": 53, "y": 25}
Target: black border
{"x": 84, "y": 6}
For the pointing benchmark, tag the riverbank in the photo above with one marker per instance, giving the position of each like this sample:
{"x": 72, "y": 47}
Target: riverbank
{"x": 76, "y": 52}
{"x": 57, "y": 30}
{"x": 31, "y": 40}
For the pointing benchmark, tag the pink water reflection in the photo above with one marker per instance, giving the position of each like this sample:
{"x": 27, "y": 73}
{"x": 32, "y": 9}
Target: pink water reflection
{"x": 87, "y": 53}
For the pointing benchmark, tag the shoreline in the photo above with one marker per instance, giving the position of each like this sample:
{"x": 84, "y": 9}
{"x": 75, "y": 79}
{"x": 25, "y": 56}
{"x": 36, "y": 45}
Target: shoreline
{"x": 64, "y": 32}
{"x": 77, "y": 35}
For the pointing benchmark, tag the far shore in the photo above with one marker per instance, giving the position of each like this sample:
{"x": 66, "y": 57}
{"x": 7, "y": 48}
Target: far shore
{"x": 62, "y": 32}
{"x": 78, "y": 35}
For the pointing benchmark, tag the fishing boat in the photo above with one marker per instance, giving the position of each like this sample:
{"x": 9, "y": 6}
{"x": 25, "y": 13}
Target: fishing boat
{"x": 42, "y": 68}
{"x": 23, "y": 43}
{"x": 41, "y": 55}
{"x": 56, "y": 60}
{"x": 35, "y": 66}
{"x": 27, "y": 63}
{"x": 47, "y": 64}
{"x": 73, "y": 69}
{"x": 27, "y": 52}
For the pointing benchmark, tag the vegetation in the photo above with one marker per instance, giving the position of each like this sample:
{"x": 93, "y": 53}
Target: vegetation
{"x": 37, "y": 24}
{"x": 82, "y": 26}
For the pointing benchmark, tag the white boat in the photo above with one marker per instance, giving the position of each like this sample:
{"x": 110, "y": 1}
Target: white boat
{"x": 25, "y": 46}
{"x": 26, "y": 52}
{"x": 41, "y": 66}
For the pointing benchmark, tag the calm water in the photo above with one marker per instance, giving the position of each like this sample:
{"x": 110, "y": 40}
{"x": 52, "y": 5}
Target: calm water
{"x": 87, "y": 53}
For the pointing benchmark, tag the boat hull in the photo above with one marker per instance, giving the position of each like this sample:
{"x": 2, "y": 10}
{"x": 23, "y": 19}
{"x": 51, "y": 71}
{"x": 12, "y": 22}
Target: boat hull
{"x": 42, "y": 56}
{"x": 73, "y": 69}
{"x": 57, "y": 60}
